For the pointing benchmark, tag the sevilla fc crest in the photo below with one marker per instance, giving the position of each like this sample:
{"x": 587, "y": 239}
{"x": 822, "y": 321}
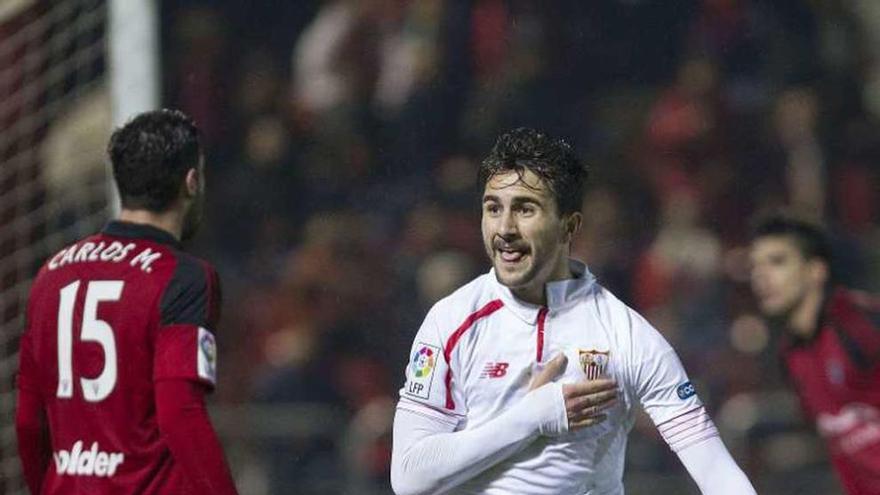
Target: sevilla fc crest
{"x": 593, "y": 363}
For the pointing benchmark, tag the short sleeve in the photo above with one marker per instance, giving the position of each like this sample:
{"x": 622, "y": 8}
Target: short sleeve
{"x": 186, "y": 347}
{"x": 658, "y": 377}
{"x": 430, "y": 387}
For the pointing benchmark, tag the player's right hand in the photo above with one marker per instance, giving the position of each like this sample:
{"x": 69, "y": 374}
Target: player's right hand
{"x": 584, "y": 400}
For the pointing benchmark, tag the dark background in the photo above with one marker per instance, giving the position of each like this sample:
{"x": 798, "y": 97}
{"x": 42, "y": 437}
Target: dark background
{"x": 344, "y": 138}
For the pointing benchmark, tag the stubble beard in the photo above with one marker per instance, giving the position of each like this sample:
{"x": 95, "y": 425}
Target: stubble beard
{"x": 192, "y": 220}
{"x": 780, "y": 316}
{"x": 512, "y": 280}
{"x": 521, "y": 278}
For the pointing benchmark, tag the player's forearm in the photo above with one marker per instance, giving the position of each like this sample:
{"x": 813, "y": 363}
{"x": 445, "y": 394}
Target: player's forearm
{"x": 713, "y": 469}
{"x": 34, "y": 449}
{"x": 186, "y": 428}
{"x": 428, "y": 457}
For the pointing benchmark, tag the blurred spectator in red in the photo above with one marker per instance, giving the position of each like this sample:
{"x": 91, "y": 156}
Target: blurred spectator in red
{"x": 830, "y": 343}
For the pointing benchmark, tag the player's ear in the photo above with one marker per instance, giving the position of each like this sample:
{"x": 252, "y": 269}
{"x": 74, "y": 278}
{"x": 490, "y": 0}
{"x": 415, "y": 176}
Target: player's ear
{"x": 191, "y": 182}
{"x": 572, "y": 224}
{"x": 819, "y": 271}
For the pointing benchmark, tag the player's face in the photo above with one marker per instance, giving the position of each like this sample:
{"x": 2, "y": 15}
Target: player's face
{"x": 193, "y": 218}
{"x": 523, "y": 233}
{"x": 780, "y": 275}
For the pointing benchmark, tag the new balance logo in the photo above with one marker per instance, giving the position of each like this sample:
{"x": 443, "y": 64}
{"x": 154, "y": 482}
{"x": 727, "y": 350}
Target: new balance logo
{"x": 494, "y": 370}
{"x": 91, "y": 462}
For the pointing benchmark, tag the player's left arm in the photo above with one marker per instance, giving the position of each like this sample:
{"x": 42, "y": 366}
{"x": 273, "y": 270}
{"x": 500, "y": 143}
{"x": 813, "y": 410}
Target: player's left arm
{"x": 31, "y": 427}
{"x": 670, "y": 399}
{"x": 186, "y": 428}
{"x": 184, "y": 372}
{"x": 713, "y": 469}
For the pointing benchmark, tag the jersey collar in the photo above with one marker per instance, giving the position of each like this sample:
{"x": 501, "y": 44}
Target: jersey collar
{"x": 118, "y": 228}
{"x": 560, "y": 294}
{"x": 832, "y": 299}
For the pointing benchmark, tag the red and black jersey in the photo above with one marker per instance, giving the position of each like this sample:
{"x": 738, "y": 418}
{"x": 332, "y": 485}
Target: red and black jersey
{"x": 837, "y": 377}
{"x": 108, "y": 318}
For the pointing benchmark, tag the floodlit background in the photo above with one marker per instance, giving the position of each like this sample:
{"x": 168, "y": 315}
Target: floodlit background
{"x": 343, "y": 138}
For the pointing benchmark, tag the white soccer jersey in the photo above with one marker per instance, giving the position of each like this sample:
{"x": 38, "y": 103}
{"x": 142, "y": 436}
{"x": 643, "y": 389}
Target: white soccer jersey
{"x": 474, "y": 354}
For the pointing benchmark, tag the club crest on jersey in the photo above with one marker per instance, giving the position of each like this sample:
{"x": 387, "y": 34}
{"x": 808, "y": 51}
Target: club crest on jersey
{"x": 421, "y": 368}
{"x": 593, "y": 363}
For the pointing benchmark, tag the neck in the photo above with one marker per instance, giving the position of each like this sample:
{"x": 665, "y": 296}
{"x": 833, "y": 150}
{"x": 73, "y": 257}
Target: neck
{"x": 536, "y": 293}
{"x": 803, "y": 319}
{"x": 533, "y": 294}
{"x": 169, "y": 221}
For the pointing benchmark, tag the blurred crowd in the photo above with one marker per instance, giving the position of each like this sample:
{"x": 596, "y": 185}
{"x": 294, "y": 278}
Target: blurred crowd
{"x": 344, "y": 137}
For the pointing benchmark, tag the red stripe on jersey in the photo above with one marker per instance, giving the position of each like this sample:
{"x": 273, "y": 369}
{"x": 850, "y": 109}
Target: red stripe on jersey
{"x": 542, "y": 316}
{"x": 486, "y": 310}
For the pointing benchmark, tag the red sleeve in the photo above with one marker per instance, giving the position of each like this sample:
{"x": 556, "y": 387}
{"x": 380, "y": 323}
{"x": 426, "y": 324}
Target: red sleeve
{"x": 34, "y": 447}
{"x": 186, "y": 352}
{"x": 856, "y": 317}
{"x": 189, "y": 310}
{"x": 186, "y": 428}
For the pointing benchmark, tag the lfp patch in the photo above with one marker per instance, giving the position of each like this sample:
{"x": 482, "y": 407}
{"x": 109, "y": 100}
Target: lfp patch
{"x": 206, "y": 356}
{"x": 686, "y": 390}
{"x": 421, "y": 370}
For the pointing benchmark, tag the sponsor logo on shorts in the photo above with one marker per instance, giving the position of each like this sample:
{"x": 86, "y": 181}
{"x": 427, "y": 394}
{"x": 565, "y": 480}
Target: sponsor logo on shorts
{"x": 90, "y": 462}
{"x": 686, "y": 390}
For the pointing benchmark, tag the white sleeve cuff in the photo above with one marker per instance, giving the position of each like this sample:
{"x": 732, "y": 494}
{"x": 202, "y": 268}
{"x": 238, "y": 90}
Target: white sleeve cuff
{"x": 419, "y": 408}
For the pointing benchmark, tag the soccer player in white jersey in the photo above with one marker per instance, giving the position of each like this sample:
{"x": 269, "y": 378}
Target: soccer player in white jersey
{"x": 527, "y": 379}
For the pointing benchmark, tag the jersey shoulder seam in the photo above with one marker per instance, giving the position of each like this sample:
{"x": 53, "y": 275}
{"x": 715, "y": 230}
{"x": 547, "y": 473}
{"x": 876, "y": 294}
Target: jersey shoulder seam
{"x": 449, "y": 312}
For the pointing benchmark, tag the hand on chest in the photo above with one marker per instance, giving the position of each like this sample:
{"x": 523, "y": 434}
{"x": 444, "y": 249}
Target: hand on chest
{"x": 504, "y": 355}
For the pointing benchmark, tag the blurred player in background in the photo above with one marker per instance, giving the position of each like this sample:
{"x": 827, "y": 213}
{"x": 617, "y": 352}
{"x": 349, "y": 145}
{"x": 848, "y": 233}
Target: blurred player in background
{"x": 119, "y": 348}
{"x": 527, "y": 379}
{"x": 830, "y": 344}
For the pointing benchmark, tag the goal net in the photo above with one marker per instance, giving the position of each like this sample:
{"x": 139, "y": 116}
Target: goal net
{"x": 55, "y": 117}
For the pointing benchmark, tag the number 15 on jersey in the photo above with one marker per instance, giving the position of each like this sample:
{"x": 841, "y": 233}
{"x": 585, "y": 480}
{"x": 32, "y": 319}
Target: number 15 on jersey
{"x": 93, "y": 330}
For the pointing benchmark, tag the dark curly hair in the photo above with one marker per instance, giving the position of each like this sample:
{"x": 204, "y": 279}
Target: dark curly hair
{"x": 553, "y": 160}
{"x": 151, "y": 155}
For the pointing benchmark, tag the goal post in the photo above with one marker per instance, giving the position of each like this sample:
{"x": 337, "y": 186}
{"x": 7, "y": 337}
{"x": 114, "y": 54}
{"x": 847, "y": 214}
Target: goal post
{"x": 134, "y": 57}
{"x": 134, "y": 64}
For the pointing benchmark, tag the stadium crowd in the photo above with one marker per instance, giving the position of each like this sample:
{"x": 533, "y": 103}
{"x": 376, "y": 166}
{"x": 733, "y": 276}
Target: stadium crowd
{"x": 344, "y": 137}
